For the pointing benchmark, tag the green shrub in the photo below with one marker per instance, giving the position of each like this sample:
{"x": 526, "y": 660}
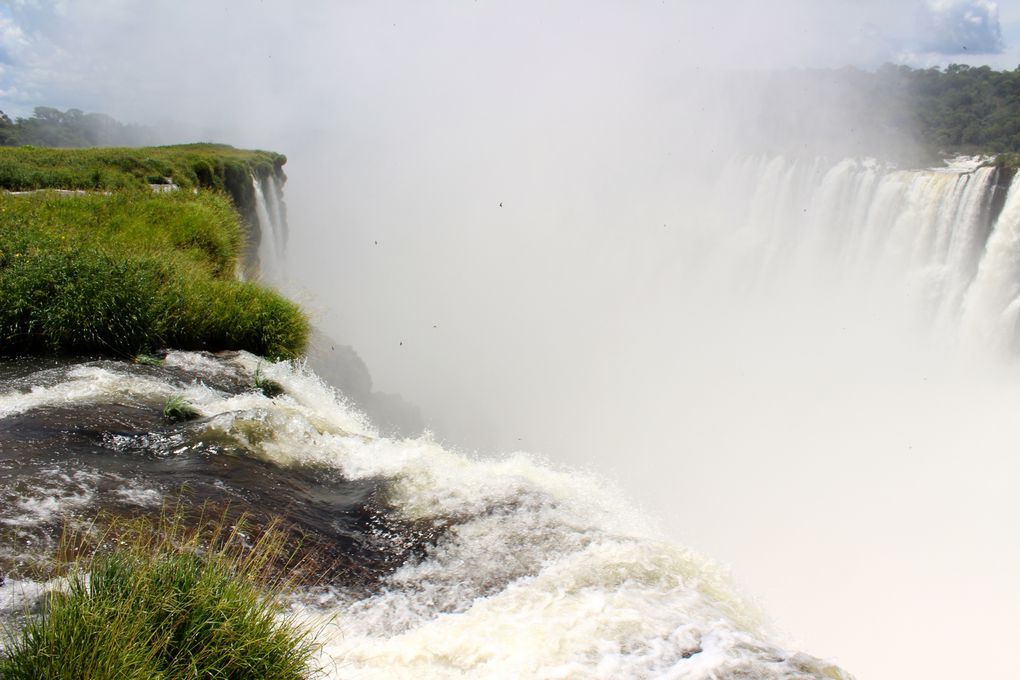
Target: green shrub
{"x": 232, "y": 314}
{"x": 82, "y": 301}
{"x": 267, "y": 386}
{"x": 166, "y": 603}
{"x": 130, "y": 273}
{"x": 177, "y": 409}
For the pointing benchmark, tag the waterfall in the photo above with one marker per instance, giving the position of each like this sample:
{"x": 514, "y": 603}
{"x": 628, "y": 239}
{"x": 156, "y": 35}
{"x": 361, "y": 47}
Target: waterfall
{"x": 872, "y": 226}
{"x": 993, "y": 301}
{"x": 272, "y": 223}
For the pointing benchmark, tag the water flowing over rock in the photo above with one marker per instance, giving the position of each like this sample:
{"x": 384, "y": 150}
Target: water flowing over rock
{"x": 439, "y": 565}
{"x": 271, "y": 219}
{"x": 945, "y": 237}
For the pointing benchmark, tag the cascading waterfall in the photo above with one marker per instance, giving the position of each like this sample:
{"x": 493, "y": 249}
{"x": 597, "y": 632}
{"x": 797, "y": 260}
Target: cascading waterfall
{"x": 272, "y": 223}
{"x": 924, "y": 230}
{"x": 992, "y": 305}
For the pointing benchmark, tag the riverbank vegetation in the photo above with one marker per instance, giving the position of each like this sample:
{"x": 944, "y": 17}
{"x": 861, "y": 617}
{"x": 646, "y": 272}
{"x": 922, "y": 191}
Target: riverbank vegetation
{"x": 132, "y": 271}
{"x": 187, "y": 166}
{"x": 166, "y": 599}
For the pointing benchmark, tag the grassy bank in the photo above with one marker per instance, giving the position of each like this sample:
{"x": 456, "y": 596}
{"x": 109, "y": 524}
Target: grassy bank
{"x": 133, "y": 271}
{"x": 190, "y": 166}
{"x": 170, "y": 600}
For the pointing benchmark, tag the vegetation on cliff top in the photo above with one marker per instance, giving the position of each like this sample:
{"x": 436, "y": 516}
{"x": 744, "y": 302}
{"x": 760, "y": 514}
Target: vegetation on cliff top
{"x": 130, "y": 271}
{"x": 189, "y": 166}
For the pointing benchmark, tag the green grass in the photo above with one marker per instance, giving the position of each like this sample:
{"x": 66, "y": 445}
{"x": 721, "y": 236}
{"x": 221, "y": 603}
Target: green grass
{"x": 177, "y": 409}
{"x": 213, "y": 166}
{"x": 166, "y": 602}
{"x": 132, "y": 272}
{"x": 266, "y": 386}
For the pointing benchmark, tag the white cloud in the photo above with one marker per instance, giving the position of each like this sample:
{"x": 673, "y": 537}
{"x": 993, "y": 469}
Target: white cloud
{"x": 12, "y": 39}
{"x": 959, "y": 27}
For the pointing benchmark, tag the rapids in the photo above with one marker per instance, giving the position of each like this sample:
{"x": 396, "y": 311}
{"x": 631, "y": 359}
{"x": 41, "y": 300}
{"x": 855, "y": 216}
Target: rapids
{"x": 442, "y": 565}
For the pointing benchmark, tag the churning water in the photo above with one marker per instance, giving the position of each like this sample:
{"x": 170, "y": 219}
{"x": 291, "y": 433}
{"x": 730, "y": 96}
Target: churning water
{"x": 446, "y": 566}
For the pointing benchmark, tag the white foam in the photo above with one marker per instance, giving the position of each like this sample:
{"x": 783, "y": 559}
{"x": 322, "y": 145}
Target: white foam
{"x": 55, "y": 494}
{"x": 87, "y": 384}
{"x": 538, "y": 573}
{"x": 541, "y": 573}
{"x": 18, "y": 596}
{"x": 142, "y": 497}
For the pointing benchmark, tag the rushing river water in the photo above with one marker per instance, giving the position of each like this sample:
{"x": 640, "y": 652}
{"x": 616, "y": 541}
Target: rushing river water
{"x": 439, "y": 565}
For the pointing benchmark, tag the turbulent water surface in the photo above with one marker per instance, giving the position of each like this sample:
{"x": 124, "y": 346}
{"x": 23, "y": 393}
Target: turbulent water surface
{"x": 442, "y": 566}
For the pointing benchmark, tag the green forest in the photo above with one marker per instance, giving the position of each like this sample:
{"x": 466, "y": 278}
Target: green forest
{"x": 913, "y": 117}
{"x": 72, "y": 128}
{"x": 958, "y": 109}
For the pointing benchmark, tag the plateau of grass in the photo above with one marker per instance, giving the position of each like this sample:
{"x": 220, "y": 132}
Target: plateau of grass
{"x": 212, "y": 166}
{"x": 160, "y": 600}
{"x": 130, "y": 272}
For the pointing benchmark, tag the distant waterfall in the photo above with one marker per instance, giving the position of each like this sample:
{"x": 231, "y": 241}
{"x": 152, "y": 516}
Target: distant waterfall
{"x": 272, "y": 223}
{"x": 945, "y": 235}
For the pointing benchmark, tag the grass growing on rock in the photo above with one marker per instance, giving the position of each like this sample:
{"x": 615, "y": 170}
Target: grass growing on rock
{"x": 212, "y": 166}
{"x": 169, "y": 600}
{"x": 132, "y": 272}
{"x": 178, "y": 409}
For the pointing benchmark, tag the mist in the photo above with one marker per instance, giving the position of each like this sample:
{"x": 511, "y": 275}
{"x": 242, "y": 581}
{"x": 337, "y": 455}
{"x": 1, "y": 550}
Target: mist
{"x": 524, "y": 218}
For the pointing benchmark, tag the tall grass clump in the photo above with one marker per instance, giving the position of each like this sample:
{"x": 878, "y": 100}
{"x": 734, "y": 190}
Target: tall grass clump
{"x": 127, "y": 274}
{"x": 168, "y": 602}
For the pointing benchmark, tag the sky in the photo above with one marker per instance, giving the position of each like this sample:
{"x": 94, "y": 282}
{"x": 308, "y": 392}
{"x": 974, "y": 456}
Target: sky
{"x": 138, "y": 61}
{"x": 477, "y": 197}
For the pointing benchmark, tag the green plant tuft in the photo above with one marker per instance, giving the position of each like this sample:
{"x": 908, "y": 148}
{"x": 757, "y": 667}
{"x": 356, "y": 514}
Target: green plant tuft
{"x": 267, "y": 386}
{"x": 167, "y": 602}
{"x": 177, "y": 409}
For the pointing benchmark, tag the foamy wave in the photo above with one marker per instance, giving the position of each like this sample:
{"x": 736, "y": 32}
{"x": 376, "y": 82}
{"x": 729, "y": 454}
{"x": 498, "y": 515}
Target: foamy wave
{"x": 536, "y": 572}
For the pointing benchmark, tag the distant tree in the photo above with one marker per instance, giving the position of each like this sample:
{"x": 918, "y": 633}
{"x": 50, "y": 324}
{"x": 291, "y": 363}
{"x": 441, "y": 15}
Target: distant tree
{"x": 49, "y": 126}
{"x": 8, "y": 131}
{"x": 896, "y": 109}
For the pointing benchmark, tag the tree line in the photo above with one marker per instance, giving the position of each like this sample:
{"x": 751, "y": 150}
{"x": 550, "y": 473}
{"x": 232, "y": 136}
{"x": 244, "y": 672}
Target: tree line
{"x": 961, "y": 108}
{"x": 72, "y": 128}
{"x": 898, "y": 113}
